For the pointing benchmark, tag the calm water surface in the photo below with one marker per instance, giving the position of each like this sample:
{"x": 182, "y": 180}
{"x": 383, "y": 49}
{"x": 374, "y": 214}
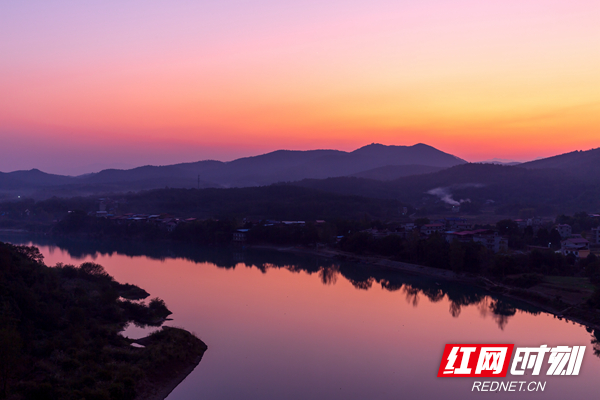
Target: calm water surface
{"x": 280, "y": 326}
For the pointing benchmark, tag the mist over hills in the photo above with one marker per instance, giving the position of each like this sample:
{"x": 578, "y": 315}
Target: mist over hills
{"x": 547, "y": 191}
{"x": 277, "y": 166}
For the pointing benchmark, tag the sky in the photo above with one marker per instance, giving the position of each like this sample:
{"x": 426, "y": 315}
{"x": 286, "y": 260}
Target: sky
{"x": 97, "y": 84}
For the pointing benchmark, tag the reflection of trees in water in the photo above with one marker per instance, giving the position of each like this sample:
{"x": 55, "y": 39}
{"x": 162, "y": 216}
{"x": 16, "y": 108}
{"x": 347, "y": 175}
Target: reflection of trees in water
{"x": 455, "y": 309}
{"x": 459, "y": 296}
{"x": 595, "y": 340}
{"x": 501, "y": 311}
{"x": 391, "y": 286}
{"x": 359, "y": 275}
{"x": 363, "y": 285}
{"x": 412, "y": 295}
{"x": 329, "y": 274}
{"x": 434, "y": 294}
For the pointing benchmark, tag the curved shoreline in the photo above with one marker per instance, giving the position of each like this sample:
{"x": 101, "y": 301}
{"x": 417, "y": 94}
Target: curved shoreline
{"x": 169, "y": 376}
{"x": 162, "y": 391}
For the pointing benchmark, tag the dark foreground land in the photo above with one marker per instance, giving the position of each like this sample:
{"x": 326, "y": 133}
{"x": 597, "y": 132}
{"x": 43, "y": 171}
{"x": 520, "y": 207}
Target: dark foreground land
{"x": 59, "y": 334}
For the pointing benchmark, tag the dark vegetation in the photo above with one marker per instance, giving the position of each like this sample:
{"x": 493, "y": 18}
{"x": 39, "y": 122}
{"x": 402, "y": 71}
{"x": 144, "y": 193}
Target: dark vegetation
{"x": 508, "y": 189}
{"x": 582, "y": 162}
{"x": 560, "y": 184}
{"x": 59, "y": 332}
{"x": 518, "y": 268}
{"x": 362, "y": 276}
{"x": 270, "y": 202}
{"x": 468, "y": 257}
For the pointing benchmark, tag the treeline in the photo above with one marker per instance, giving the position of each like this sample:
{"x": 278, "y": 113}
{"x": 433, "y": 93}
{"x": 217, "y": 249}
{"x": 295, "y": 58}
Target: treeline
{"x": 469, "y": 257}
{"x": 509, "y": 189}
{"x": 523, "y": 269}
{"x": 521, "y": 238}
{"x": 281, "y": 202}
{"x": 581, "y": 221}
{"x": 59, "y": 332}
{"x": 209, "y": 231}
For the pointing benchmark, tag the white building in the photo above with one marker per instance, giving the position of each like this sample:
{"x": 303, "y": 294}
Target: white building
{"x": 492, "y": 241}
{"x": 596, "y": 235}
{"x": 432, "y": 228}
{"x": 577, "y": 246}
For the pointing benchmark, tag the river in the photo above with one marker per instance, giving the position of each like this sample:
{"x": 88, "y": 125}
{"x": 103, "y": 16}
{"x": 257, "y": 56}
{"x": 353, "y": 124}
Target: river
{"x": 284, "y": 326}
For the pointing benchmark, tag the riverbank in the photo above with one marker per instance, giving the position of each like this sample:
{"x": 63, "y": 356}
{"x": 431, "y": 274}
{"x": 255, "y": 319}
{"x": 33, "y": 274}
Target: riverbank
{"x": 562, "y": 301}
{"x": 61, "y": 334}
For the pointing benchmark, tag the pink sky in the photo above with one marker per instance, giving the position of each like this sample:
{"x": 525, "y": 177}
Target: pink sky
{"x": 88, "y": 86}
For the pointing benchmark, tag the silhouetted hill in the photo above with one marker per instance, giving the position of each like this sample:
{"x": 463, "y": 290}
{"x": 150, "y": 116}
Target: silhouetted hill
{"x": 501, "y": 186}
{"x": 576, "y": 163}
{"x": 391, "y": 172}
{"x": 277, "y": 166}
{"x": 287, "y": 165}
{"x": 31, "y": 179}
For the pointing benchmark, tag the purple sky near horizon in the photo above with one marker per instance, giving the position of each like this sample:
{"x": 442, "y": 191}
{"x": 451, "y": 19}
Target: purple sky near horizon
{"x": 91, "y": 85}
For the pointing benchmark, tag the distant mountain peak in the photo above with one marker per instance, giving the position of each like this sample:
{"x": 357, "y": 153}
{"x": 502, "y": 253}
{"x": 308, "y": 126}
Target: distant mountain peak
{"x": 375, "y": 160}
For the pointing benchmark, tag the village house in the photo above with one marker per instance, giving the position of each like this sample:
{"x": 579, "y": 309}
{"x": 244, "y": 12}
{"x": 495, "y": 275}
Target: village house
{"x": 486, "y": 237}
{"x": 461, "y": 236}
{"x": 410, "y": 226}
{"x": 596, "y": 235}
{"x": 404, "y": 230}
{"x": 521, "y": 223}
{"x": 240, "y": 235}
{"x": 293, "y": 222}
{"x": 456, "y": 223}
{"x": 432, "y": 228}
{"x": 577, "y": 246}
{"x": 492, "y": 241}
{"x": 534, "y": 222}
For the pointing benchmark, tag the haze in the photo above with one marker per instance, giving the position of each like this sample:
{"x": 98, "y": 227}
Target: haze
{"x": 86, "y": 86}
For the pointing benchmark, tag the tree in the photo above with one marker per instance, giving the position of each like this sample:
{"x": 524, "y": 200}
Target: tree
{"x": 10, "y": 356}
{"x": 91, "y": 268}
{"x": 457, "y": 256}
{"x": 554, "y": 239}
{"x": 421, "y": 221}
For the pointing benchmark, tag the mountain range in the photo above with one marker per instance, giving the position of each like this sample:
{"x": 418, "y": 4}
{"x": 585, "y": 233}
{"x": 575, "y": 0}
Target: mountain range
{"x": 420, "y": 175}
{"x": 565, "y": 183}
{"x": 374, "y": 161}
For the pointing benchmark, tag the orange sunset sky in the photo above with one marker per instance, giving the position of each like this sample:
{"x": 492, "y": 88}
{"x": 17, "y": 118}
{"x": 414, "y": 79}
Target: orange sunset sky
{"x": 90, "y": 85}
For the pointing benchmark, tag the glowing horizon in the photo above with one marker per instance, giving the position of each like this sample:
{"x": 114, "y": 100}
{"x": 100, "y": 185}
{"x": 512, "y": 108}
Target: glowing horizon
{"x": 136, "y": 83}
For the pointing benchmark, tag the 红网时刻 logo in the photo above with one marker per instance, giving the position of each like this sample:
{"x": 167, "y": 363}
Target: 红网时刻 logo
{"x": 492, "y": 360}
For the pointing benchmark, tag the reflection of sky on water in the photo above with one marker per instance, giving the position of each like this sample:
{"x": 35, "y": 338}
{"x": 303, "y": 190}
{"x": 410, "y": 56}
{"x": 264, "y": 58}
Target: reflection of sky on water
{"x": 283, "y": 326}
{"x": 133, "y": 331}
